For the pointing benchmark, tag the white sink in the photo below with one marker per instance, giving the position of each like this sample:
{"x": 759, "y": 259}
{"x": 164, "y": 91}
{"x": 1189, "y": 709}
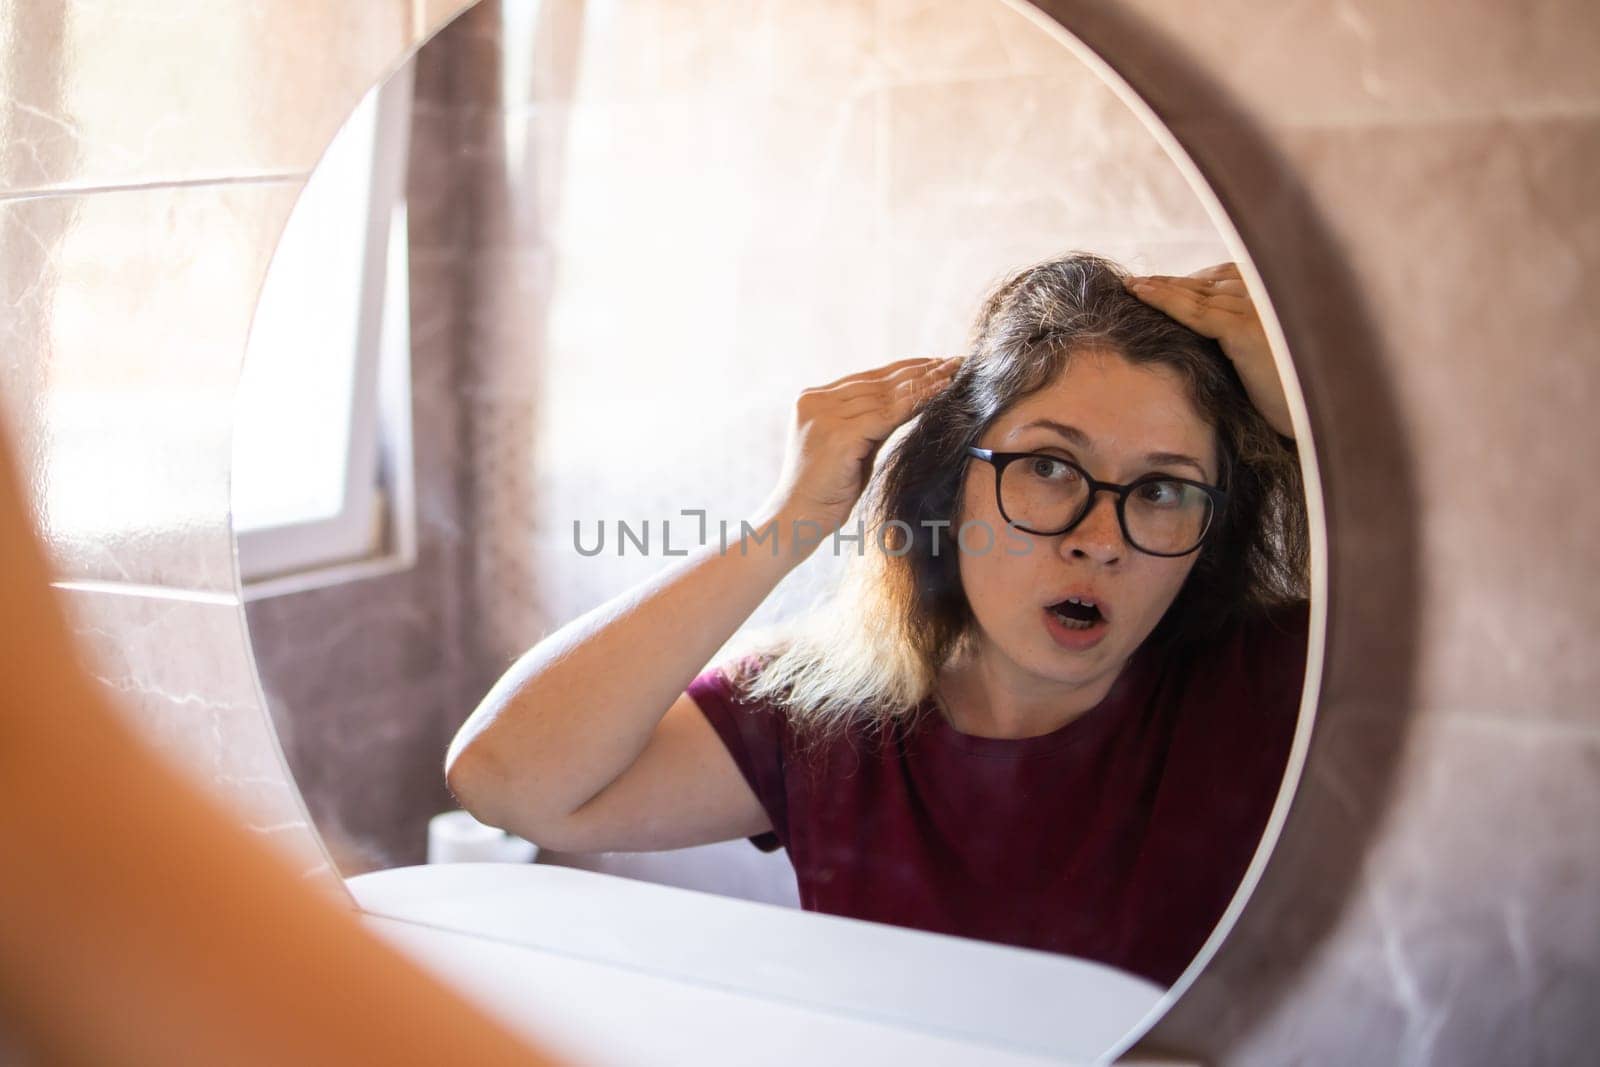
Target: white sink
{"x": 563, "y": 951}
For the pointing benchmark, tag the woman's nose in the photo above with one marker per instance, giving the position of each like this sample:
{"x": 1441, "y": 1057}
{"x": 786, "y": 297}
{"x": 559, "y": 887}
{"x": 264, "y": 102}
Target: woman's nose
{"x": 1099, "y": 534}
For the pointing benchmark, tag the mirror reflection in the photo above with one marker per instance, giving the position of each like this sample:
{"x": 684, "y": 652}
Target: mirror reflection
{"x": 847, "y": 472}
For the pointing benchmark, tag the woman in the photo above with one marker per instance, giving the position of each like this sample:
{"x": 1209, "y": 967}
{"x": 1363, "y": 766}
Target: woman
{"x": 1033, "y": 714}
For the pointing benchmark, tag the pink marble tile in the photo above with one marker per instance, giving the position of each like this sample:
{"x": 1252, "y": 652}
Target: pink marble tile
{"x": 832, "y": 46}
{"x": 126, "y": 316}
{"x": 1366, "y": 62}
{"x": 367, "y": 748}
{"x": 562, "y": 51}
{"x": 470, "y": 69}
{"x": 713, "y": 45}
{"x": 1057, "y": 154}
{"x": 730, "y": 47}
{"x": 509, "y": 600}
{"x": 384, "y": 632}
{"x": 99, "y": 95}
{"x": 778, "y": 168}
{"x": 1488, "y": 328}
{"x": 181, "y": 672}
{"x": 1461, "y": 931}
{"x": 510, "y": 172}
{"x": 952, "y": 40}
{"x": 436, "y": 318}
{"x": 506, "y": 325}
{"x": 438, "y": 183}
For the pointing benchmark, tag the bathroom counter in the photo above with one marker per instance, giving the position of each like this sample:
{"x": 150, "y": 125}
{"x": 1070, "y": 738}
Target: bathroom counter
{"x": 612, "y": 970}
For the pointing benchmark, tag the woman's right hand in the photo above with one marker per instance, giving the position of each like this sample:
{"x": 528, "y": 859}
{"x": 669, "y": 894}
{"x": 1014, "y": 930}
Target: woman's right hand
{"x": 837, "y": 431}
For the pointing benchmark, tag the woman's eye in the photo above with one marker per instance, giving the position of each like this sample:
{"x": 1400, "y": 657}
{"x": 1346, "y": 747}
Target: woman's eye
{"x": 1055, "y": 469}
{"x": 1164, "y": 493}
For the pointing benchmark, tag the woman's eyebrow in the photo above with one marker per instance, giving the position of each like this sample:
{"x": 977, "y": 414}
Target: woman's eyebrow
{"x": 1168, "y": 459}
{"x": 1081, "y": 439}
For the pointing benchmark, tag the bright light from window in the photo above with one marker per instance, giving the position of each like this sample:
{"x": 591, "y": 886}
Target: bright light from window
{"x": 292, "y": 438}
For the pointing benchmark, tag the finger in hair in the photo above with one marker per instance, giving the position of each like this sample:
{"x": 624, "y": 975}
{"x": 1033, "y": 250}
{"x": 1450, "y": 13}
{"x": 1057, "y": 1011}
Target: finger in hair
{"x": 878, "y": 373}
{"x": 1226, "y": 270}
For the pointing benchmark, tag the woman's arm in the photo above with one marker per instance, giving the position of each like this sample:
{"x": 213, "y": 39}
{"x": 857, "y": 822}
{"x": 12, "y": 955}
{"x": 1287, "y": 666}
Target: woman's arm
{"x": 579, "y": 707}
{"x": 576, "y": 711}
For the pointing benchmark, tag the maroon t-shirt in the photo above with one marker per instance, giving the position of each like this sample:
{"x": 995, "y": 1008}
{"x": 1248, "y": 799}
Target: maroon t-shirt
{"x": 1119, "y": 837}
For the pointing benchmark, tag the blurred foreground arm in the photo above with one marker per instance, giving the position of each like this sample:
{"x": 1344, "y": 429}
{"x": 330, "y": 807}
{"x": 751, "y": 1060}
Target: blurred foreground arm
{"x": 140, "y": 922}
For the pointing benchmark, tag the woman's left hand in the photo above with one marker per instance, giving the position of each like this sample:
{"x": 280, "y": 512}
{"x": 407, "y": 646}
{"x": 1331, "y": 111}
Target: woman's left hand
{"x": 1214, "y": 302}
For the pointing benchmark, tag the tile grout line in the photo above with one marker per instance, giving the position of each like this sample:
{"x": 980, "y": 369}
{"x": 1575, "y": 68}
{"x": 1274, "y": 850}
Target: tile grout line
{"x": 266, "y": 178}
{"x": 154, "y": 592}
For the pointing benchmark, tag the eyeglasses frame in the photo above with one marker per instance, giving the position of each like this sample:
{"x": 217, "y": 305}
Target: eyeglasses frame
{"x": 1001, "y": 460}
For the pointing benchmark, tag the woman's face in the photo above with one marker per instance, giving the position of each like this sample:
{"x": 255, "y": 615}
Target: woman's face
{"x": 1109, "y": 416}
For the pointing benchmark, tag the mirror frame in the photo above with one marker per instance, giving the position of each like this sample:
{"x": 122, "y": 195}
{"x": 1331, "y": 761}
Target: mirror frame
{"x": 1126, "y": 48}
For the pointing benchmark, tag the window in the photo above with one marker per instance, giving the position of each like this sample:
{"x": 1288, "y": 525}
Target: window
{"x": 321, "y": 457}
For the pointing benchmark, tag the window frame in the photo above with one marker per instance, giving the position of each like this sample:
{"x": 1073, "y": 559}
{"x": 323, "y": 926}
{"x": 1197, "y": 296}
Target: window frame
{"x": 374, "y": 530}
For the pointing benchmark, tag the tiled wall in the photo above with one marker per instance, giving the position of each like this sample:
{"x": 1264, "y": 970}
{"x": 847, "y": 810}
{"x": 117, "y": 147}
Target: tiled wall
{"x": 149, "y": 156}
{"x": 1415, "y": 182}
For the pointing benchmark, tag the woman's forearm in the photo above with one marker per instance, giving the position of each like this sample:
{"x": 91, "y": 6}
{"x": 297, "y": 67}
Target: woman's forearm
{"x": 578, "y": 708}
{"x": 575, "y": 712}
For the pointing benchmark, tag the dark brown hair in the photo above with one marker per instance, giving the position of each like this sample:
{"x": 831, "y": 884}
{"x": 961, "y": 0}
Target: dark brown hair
{"x": 1028, "y": 330}
{"x": 881, "y": 647}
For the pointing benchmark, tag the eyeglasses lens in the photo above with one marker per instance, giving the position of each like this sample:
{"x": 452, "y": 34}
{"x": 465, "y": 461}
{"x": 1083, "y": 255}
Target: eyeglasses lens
{"x": 1048, "y": 495}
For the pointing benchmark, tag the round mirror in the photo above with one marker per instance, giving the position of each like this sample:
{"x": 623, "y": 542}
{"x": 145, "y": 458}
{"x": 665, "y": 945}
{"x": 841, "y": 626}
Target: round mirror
{"x": 599, "y": 431}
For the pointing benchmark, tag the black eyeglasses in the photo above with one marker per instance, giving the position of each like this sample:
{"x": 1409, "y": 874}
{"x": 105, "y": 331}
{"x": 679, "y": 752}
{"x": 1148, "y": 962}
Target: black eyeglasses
{"x": 1047, "y": 495}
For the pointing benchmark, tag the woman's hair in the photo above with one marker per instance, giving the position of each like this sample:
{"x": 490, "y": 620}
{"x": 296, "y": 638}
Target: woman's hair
{"x": 871, "y": 652}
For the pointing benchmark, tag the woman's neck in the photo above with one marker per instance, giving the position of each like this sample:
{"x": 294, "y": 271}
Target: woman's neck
{"x": 985, "y": 694}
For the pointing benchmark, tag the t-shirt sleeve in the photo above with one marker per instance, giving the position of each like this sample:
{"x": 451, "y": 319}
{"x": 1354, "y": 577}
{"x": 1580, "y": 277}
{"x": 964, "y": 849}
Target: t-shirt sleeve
{"x": 753, "y": 734}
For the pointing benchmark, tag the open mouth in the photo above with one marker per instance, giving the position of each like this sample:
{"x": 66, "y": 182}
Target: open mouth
{"x": 1077, "y": 614}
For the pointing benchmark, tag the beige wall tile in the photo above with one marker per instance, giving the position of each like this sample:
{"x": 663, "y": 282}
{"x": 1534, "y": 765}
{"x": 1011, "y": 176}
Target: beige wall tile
{"x": 779, "y": 169}
{"x": 1058, "y": 154}
{"x": 180, "y": 671}
{"x": 1460, "y": 932}
{"x": 127, "y": 315}
{"x": 1490, "y": 329}
{"x": 948, "y": 40}
{"x": 387, "y": 730}
{"x": 1367, "y": 62}
{"x": 102, "y": 95}
{"x": 730, "y": 46}
{"x": 558, "y": 51}
{"x": 437, "y": 208}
